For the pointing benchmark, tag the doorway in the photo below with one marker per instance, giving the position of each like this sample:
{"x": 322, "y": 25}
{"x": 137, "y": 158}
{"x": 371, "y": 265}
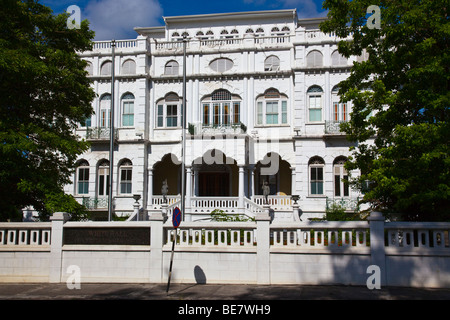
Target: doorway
{"x": 214, "y": 184}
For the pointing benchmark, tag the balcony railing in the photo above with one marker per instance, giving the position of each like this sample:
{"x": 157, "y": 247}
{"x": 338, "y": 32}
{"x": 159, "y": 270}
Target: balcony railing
{"x": 349, "y": 204}
{"x": 238, "y": 128}
{"x": 100, "y": 133}
{"x": 94, "y": 203}
{"x": 333, "y": 127}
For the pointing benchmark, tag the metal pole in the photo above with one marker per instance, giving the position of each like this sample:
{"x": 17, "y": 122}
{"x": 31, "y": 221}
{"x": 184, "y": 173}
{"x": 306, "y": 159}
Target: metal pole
{"x": 111, "y": 136}
{"x": 183, "y": 149}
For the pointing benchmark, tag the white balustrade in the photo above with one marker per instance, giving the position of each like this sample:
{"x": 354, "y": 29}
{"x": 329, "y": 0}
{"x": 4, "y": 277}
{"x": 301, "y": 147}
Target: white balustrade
{"x": 24, "y": 234}
{"x": 418, "y": 235}
{"x": 210, "y": 235}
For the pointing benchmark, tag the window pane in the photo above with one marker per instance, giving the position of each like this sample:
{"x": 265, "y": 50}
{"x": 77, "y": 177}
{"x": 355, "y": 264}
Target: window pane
{"x": 259, "y": 119}
{"x": 315, "y": 115}
{"x": 160, "y": 115}
{"x": 236, "y": 112}
{"x": 337, "y": 185}
{"x": 283, "y": 111}
{"x": 206, "y": 114}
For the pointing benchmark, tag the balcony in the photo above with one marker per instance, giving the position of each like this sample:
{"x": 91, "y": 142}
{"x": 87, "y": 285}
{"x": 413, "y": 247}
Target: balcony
{"x": 333, "y": 128}
{"x": 232, "y": 129}
{"x": 100, "y": 134}
{"x": 173, "y": 47}
{"x": 94, "y": 203}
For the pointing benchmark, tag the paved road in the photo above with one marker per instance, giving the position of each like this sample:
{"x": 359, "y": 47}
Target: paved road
{"x": 186, "y": 292}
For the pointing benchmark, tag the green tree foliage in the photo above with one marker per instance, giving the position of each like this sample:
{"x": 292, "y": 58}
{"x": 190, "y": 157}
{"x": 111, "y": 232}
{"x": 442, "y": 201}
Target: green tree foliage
{"x": 44, "y": 95}
{"x": 400, "y": 97}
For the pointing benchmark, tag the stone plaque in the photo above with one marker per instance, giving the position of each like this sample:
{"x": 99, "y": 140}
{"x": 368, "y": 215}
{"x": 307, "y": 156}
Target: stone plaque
{"x": 107, "y": 236}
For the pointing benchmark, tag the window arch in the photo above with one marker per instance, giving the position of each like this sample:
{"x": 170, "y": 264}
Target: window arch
{"x": 171, "y": 68}
{"x": 271, "y": 108}
{"x": 105, "y": 69}
{"x": 272, "y": 63}
{"x": 221, "y": 108}
{"x": 337, "y": 59}
{"x": 169, "y": 111}
{"x": 314, "y": 59}
{"x": 341, "y": 187}
{"x": 128, "y": 110}
{"x": 315, "y": 105}
{"x": 103, "y": 178}
{"x": 82, "y": 177}
{"x": 221, "y": 65}
{"x": 89, "y": 68}
{"x": 340, "y": 109}
{"x": 129, "y": 67}
{"x": 316, "y": 167}
{"x": 125, "y": 176}
{"x": 259, "y": 32}
{"x": 105, "y": 110}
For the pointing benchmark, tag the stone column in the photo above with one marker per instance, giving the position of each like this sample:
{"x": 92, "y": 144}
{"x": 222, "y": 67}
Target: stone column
{"x": 241, "y": 186}
{"x": 150, "y": 188}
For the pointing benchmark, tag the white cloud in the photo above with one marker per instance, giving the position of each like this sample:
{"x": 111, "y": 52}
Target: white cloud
{"x": 115, "y": 19}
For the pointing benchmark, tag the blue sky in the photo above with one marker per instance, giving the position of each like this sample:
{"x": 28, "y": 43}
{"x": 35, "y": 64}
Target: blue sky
{"x": 115, "y": 19}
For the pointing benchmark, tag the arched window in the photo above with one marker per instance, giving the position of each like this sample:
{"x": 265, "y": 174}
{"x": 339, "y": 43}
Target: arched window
{"x": 316, "y": 166}
{"x": 337, "y": 59}
{"x": 171, "y": 68}
{"x": 221, "y": 108}
{"x": 82, "y": 177}
{"x": 103, "y": 178}
{"x": 340, "y": 109}
{"x": 259, "y": 32}
{"x": 271, "y": 108}
{"x": 105, "y": 111}
{"x": 129, "y": 67}
{"x": 314, "y": 59}
{"x": 176, "y": 36}
{"x": 272, "y": 63}
{"x": 89, "y": 68}
{"x": 125, "y": 176}
{"x": 315, "y": 97}
{"x": 169, "y": 111}
{"x": 105, "y": 69}
{"x": 221, "y": 65}
{"x": 341, "y": 187}
{"x": 128, "y": 110}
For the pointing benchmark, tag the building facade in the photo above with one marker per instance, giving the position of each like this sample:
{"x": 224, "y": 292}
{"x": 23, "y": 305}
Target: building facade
{"x": 261, "y": 105}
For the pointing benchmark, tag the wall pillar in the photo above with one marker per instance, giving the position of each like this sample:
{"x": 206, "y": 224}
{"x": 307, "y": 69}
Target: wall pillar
{"x": 156, "y": 244}
{"x": 377, "y": 248}
{"x": 58, "y": 219}
{"x": 263, "y": 246}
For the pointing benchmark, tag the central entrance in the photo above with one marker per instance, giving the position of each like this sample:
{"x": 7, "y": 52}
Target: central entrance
{"x": 214, "y": 184}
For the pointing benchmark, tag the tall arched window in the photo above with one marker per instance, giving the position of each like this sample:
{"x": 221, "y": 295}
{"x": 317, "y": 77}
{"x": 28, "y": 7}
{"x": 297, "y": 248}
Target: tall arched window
{"x": 341, "y": 187}
{"x": 316, "y": 166}
{"x": 105, "y": 69}
{"x": 340, "y": 109}
{"x": 169, "y": 111}
{"x": 171, "y": 68}
{"x": 103, "y": 178}
{"x": 128, "y": 110}
{"x": 337, "y": 59}
{"x": 89, "y": 68}
{"x": 271, "y": 108}
{"x": 82, "y": 177}
{"x": 125, "y": 175}
{"x": 315, "y": 97}
{"x": 221, "y": 109}
{"x": 129, "y": 67}
{"x": 272, "y": 63}
{"x": 105, "y": 110}
{"x": 314, "y": 59}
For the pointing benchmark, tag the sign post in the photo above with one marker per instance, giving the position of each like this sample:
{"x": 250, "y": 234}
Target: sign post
{"x": 176, "y": 220}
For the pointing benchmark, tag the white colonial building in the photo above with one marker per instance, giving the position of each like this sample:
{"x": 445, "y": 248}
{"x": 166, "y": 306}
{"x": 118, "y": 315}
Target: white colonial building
{"x": 261, "y": 104}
